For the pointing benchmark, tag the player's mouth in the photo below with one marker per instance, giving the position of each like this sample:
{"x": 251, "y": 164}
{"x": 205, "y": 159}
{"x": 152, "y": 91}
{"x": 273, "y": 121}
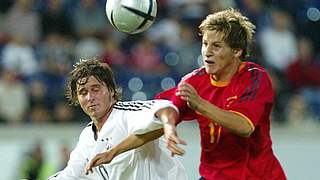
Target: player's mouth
{"x": 209, "y": 62}
{"x": 92, "y": 106}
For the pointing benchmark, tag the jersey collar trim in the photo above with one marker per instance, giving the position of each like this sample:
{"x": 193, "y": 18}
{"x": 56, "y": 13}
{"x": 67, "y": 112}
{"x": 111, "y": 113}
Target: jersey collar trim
{"x": 224, "y": 83}
{"x": 94, "y": 130}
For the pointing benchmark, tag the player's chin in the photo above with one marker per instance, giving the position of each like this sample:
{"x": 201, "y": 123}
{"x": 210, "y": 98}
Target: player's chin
{"x": 93, "y": 114}
{"x": 210, "y": 70}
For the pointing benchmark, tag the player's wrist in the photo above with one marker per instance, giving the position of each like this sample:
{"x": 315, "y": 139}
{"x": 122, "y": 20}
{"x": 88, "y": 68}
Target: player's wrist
{"x": 115, "y": 151}
{"x": 169, "y": 126}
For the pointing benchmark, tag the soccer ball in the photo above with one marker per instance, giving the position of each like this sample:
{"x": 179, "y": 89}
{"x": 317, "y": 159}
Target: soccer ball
{"x": 131, "y": 16}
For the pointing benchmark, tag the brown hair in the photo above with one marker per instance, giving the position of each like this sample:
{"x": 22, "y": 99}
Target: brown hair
{"x": 237, "y": 30}
{"x": 86, "y": 68}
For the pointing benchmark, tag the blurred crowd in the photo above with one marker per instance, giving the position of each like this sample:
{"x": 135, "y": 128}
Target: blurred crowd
{"x": 40, "y": 40}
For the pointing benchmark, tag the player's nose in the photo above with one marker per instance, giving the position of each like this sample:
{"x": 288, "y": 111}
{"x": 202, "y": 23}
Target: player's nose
{"x": 90, "y": 97}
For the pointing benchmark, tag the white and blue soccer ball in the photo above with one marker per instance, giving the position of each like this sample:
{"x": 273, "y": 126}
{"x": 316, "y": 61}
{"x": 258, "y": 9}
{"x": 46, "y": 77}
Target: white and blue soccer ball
{"x": 131, "y": 16}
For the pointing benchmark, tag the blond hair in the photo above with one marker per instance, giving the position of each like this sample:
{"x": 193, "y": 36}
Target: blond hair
{"x": 236, "y": 30}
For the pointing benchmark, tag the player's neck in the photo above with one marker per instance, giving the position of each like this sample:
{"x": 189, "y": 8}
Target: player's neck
{"x": 228, "y": 73}
{"x": 100, "y": 122}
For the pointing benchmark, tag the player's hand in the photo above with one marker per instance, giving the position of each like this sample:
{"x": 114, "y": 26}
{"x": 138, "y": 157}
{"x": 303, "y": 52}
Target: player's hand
{"x": 188, "y": 94}
{"x": 172, "y": 140}
{"x": 101, "y": 158}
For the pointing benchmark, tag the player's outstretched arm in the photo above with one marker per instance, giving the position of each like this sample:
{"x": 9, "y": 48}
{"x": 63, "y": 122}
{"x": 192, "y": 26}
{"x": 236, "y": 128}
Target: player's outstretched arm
{"x": 169, "y": 116}
{"x": 131, "y": 142}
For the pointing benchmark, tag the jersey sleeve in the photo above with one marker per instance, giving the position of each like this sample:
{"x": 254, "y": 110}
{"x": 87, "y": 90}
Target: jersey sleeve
{"x": 255, "y": 99}
{"x": 185, "y": 112}
{"x": 144, "y": 120}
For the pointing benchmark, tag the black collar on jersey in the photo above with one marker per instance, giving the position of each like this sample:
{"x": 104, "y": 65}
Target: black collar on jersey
{"x": 94, "y": 129}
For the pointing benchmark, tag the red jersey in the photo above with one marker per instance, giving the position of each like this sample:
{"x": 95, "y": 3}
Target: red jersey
{"x": 225, "y": 155}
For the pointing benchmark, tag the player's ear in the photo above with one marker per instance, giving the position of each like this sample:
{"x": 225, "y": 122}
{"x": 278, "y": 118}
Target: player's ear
{"x": 112, "y": 92}
{"x": 237, "y": 52}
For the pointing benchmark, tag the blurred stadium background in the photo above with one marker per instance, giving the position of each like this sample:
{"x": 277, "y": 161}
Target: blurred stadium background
{"x": 41, "y": 39}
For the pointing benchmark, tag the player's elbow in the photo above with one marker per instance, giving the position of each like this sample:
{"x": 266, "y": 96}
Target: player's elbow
{"x": 147, "y": 126}
{"x": 246, "y": 134}
{"x": 246, "y": 131}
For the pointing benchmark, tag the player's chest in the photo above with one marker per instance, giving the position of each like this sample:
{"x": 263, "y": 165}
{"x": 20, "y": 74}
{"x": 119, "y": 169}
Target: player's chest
{"x": 222, "y": 97}
{"x": 110, "y": 136}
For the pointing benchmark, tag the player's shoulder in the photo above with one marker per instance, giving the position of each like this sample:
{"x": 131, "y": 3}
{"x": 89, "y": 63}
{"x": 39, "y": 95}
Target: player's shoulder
{"x": 87, "y": 130}
{"x": 133, "y": 105}
{"x": 139, "y": 105}
{"x": 90, "y": 124}
{"x": 253, "y": 67}
{"x": 253, "y": 70}
{"x": 253, "y": 73}
{"x": 197, "y": 73}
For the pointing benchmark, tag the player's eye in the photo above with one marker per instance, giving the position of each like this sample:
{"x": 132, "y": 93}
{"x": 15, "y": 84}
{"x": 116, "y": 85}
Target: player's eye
{"x": 216, "y": 45}
{"x": 82, "y": 92}
{"x": 96, "y": 88}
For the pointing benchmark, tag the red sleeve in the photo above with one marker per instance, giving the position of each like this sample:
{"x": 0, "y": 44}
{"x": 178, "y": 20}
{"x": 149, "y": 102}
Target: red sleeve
{"x": 255, "y": 100}
{"x": 166, "y": 94}
{"x": 185, "y": 112}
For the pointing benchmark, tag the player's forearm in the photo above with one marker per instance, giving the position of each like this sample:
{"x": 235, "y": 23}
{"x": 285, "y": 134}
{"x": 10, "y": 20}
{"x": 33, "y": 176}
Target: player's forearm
{"x": 229, "y": 120}
{"x": 136, "y": 140}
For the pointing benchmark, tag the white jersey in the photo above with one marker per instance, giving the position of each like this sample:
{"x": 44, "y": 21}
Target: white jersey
{"x": 148, "y": 162}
